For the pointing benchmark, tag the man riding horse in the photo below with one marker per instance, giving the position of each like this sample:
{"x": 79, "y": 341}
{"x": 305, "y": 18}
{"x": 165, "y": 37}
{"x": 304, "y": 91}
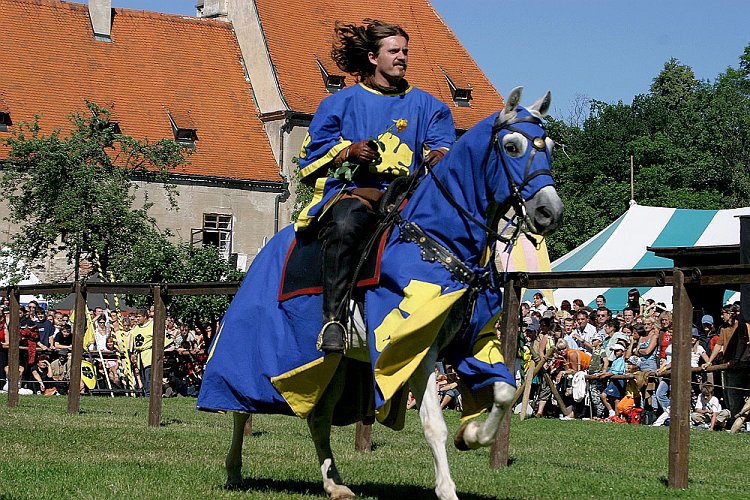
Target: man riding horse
{"x": 355, "y": 128}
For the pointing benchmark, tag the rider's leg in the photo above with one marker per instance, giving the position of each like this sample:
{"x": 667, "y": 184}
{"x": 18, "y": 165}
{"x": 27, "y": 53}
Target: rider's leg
{"x": 350, "y": 222}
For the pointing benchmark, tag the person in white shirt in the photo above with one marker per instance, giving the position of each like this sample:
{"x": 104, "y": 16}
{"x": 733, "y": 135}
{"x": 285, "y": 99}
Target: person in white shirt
{"x": 584, "y": 331}
{"x": 708, "y": 413}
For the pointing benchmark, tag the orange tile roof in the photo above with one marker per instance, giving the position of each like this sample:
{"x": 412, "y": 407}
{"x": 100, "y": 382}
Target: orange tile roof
{"x": 155, "y": 63}
{"x": 294, "y": 41}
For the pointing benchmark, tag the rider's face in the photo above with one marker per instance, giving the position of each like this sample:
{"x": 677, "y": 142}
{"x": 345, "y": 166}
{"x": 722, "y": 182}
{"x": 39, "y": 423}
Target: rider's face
{"x": 391, "y": 60}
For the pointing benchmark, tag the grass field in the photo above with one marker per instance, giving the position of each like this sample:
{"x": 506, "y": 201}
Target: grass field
{"x": 108, "y": 451}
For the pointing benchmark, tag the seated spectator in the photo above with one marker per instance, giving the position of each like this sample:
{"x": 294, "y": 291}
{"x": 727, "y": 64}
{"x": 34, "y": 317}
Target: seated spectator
{"x": 708, "y": 413}
{"x": 447, "y": 391}
{"x": 42, "y": 375}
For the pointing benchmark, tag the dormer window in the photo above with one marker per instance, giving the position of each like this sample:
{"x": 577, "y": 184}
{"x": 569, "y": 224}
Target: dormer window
{"x": 333, "y": 83}
{"x": 110, "y": 121}
{"x": 185, "y": 132}
{"x": 5, "y": 120}
{"x": 461, "y": 95}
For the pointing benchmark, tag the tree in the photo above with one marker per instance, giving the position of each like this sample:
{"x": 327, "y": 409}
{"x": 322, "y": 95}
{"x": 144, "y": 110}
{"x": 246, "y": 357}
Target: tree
{"x": 690, "y": 142}
{"x": 181, "y": 263}
{"x": 74, "y": 194}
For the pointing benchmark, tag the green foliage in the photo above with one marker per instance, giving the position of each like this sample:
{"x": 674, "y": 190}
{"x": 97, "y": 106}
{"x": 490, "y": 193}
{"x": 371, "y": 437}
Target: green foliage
{"x": 74, "y": 193}
{"x": 107, "y": 450}
{"x": 690, "y": 143}
{"x": 163, "y": 262}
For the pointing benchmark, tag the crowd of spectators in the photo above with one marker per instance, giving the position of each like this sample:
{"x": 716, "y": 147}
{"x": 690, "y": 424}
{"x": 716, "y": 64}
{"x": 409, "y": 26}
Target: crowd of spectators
{"x": 117, "y": 352}
{"x": 571, "y": 353}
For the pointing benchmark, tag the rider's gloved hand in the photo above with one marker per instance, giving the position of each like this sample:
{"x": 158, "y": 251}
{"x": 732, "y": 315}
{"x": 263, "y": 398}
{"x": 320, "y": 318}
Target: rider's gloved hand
{"x": 434, "y": 156}
{"x": 363, "y": 152}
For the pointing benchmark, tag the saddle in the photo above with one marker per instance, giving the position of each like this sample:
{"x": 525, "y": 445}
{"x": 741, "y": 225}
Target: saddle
{"x": 303, "y": 266}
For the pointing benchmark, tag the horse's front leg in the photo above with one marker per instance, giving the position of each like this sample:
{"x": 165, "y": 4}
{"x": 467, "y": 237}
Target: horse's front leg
{"x": 423, "y": 384}
{"x": 476, "y": 434}
{"x": 319, "y": 422}
{"x": 233, "y": 461}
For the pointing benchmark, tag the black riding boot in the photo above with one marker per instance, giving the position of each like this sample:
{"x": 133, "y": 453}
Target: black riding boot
{"x": 343, "y": 237}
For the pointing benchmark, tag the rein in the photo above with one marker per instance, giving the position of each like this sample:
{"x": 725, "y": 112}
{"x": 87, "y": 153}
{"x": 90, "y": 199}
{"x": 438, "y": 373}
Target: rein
{"x": 433, "y": 251}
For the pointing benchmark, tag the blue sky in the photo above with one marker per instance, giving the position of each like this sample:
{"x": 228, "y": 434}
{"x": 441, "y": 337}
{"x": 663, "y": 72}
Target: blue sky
{"x": 602, "y": 49}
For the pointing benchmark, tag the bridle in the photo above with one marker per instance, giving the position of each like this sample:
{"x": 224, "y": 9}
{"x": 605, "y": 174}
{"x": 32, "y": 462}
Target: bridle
{"x": 520, "y": 222}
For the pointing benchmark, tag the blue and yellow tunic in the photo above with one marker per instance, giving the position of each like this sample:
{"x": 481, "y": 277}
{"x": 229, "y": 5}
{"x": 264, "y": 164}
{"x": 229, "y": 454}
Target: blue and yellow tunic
{"x": 360, "y": 113}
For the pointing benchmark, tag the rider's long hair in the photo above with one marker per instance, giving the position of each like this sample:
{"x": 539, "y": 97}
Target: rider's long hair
{"x": 353, "y": 44}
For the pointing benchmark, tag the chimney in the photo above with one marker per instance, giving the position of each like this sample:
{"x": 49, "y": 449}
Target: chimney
{"x": 745, "y": 259}
{"x": 213, "y": 9}
{"x": 100, "y": 12}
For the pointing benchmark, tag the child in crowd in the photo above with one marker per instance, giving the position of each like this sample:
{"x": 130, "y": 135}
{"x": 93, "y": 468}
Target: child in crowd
{"x": 598, "y": 366}
{"x": 708, "y": 413}
{"x": 616, "y": 388}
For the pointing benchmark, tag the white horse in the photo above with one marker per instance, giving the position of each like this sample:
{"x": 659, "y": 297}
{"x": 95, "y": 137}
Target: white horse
{"x": 500, "y": 166}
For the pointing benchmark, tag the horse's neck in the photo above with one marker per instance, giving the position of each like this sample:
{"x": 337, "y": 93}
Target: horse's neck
{"x": 431, "y": 209}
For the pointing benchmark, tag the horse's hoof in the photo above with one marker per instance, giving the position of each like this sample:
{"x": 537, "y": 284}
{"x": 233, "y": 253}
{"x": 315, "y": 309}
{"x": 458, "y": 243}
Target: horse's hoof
{"x": 341, "y": 492}
{"x": 233, "y": 484}
{"x": 458, "y": 439}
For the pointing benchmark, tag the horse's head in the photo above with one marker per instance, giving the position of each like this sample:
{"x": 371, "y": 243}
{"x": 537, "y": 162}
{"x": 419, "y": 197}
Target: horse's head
{"x": 524, "y": 153}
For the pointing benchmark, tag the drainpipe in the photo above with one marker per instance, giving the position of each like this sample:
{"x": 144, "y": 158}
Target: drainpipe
{"x": 280, "y": 198}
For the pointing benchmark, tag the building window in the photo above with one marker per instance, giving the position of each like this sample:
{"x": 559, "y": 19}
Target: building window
{"x": 333, "y": 83}
{"x": 5, "y": 120}
{"x": 183, "y": 128}
{"x": 461, "y": 95}
{"x": 217, "y": 231}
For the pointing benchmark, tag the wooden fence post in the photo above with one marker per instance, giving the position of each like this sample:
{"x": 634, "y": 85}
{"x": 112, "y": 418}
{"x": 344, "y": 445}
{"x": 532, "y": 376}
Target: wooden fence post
{"x": 511, "y": 306}
{"x": 157, "y": 357}
{"x": 679, "y": 419}
{"x": 79, "y": 327}
{"x": 14, "y": 339}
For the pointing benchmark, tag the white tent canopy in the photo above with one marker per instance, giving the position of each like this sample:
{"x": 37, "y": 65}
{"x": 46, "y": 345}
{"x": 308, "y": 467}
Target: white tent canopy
{"x": 622, "y": 246}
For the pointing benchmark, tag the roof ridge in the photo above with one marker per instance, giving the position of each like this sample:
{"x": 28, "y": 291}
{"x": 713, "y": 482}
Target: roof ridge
{"x": 75, "y": 6}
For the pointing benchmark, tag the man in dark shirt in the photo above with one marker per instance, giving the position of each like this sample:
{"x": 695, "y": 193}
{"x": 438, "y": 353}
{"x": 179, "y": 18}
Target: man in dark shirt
{"x": 45, "y": 328}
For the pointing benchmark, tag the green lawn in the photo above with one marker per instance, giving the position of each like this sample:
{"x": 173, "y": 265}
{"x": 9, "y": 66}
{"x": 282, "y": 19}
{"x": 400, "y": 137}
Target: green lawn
{"x": 108, "y": 451}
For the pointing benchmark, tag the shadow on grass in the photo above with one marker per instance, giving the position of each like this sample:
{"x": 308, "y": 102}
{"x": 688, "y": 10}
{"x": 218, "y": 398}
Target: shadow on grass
{"x": 375, "y": 490}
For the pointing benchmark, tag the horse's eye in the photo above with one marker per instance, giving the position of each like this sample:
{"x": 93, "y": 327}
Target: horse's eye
{"x": 514, "y": 144}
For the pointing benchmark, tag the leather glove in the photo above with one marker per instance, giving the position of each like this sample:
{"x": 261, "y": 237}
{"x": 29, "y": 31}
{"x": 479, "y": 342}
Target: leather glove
{"x": 434, "y": 156}
{"x": 363, "y": 152}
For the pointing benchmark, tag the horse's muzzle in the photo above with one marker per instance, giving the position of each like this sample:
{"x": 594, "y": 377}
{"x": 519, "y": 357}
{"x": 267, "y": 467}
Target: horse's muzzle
{"x": 544, "y": 211}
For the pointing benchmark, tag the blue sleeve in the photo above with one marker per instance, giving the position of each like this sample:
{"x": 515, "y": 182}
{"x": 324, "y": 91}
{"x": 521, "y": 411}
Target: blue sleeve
{"x": 441, "y": 132}
{"x": 323, "y": 141}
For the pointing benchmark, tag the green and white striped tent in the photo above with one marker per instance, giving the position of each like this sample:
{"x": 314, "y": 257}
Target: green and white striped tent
{"x": 622, "y": 245}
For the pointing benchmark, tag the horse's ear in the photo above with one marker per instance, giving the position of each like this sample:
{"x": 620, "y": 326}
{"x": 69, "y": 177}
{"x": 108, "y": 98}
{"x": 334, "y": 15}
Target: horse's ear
{"x": 511, "y": 103}
{"x": 540, "y": 107}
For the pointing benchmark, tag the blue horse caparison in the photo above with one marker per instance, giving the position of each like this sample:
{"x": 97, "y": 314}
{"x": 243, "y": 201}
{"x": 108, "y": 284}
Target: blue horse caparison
{"x": 264, "y": 360}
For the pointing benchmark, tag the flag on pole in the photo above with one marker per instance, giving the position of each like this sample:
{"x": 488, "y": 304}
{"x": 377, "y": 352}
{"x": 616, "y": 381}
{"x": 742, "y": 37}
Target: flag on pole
{"x": 88, "y": 333}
